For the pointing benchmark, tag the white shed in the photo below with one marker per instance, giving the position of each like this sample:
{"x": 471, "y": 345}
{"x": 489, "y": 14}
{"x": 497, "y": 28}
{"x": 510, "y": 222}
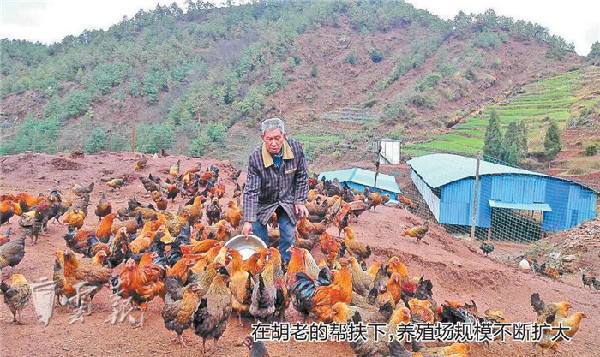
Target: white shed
{"x": 389, "y": 151}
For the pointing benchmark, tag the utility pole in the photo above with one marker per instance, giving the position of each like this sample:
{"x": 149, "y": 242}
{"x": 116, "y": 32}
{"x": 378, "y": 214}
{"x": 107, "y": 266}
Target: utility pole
{"x": 475, "y": 196}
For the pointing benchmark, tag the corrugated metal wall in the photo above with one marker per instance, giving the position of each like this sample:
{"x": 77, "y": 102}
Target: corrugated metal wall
{"x": 428, "y": 196}
{"x": 571, "y": 204}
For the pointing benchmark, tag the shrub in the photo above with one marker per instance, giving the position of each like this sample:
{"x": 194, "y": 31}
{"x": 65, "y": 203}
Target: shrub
{"x": 150, "y": 138}
{"x": 497, "y": 63}
{"x": 351, "y": 58}
{"x": 376, "y": 55}
{"x": 422, "y": 100}
{"x": 313, "y": 71}
{"x": 198, "y": 146}
{"x": 591, "y": 149}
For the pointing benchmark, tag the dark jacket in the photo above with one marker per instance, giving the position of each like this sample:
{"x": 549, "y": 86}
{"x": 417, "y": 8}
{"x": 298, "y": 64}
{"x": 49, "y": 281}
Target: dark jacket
{"x": 268, "y": 187}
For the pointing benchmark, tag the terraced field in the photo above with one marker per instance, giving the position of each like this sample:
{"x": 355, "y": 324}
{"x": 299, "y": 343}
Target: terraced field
{"x": 537, "y": 104}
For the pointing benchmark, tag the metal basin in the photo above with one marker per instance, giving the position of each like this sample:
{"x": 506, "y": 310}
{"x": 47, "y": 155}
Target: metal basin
{"x": 245, "y": 247}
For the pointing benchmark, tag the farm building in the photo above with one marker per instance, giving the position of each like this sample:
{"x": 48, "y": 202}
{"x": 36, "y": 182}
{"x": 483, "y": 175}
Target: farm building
{"x": 506, "y": 195}
{"x": 358, "y": 179}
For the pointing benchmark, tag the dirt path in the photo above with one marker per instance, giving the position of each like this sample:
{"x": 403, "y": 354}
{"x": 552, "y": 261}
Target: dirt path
{"x": 457, "y": 271}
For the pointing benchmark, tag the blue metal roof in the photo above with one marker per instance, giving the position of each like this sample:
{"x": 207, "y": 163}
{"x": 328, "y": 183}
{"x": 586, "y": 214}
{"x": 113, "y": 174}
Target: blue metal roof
{"x": 440, "y": 169}
{"x": 544, "y": 207}
{"x": 363, "y": 177}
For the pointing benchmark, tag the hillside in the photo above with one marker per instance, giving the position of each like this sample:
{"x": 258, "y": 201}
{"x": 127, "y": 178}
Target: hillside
{"x": 341, "y": 73}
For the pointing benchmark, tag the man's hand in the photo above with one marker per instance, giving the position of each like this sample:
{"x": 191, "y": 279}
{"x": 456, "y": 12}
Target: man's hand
{"x": 247, "y": 229}
{"x": 301, "y": 210}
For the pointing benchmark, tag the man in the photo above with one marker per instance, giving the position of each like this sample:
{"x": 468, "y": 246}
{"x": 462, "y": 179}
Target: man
{"x": 277, "y": 182}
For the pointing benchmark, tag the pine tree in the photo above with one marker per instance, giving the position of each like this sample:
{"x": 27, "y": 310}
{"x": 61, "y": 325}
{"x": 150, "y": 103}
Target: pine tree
{"x": 511, "y": 155}
{"x": 510, "y": 139}
{"x": 523, "y": 138}
{"x": 492, "y": 146}
{"x": 552, "y": 143}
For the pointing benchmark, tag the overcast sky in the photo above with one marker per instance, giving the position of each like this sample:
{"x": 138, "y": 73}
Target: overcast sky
{"x": 47, "y": 21}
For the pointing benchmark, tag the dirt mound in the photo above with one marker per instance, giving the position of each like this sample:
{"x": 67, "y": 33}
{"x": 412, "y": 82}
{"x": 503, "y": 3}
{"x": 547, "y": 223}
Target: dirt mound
{"x": 64, "y": 164}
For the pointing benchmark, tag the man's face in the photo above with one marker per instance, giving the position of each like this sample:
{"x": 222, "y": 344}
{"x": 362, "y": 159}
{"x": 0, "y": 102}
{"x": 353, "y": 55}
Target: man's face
{"x": 274, "y": 140}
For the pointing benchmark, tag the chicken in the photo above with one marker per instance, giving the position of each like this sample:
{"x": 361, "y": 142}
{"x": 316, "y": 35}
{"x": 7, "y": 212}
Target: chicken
{"x": 306, "y": 229}
{"x": 235, "y": 174}
{"x": 16, "y": 296}
{"x": 587, "y": 280}
{"x": 418, "y": 232}
{"x": 254, "y": 264}
{"x": 547, "y": 313}
{"x": 82, "y": 190}
{"x": 7, "y": 210}
{"x": 195, "y": 210}
{"x": 32, "y": 222}
{"x": 392, "y": 292}
{"x": 421, "y": 311}
{"x": 105, "y": 226}
{"x": 487, "y": 248}
{"x": 142, "y": 282}
{"x": 172, "y": 191}
{"x": 354, "y": 247}
{"x": 394, "y": 265}
{"x": 233, "y": 214}
{"x": 178, "y": 313}
{"x": 295, "y": 265}
{"x": 262, "y": 304}
{"x": 241, "y": 284}
{"x": 141, "y": 163}
{"x": 213, "y": 212}
{"x": 12, "y": 252}
{"x": 77, "y": 240}
{"x": 361, "y": 281}
{"x": 342, "y": 218}
{"x": 87, "y": 271}
{"x": 103, "y": 207}
{"x": 115, "y": 183}
{"x": 181, "y": 269}
{"x": 174, "y": 170}
{"x": 75, "y": 218}
{"x": 317, "y": 300}
{"x": 149, "y": 184}
{"x": 255, "y": 348}
{"x": 161, "y": 202}
{"x": 572, "y": 322}
{"x": 210, "y": 318}
{"x": 373, "y": 199}
{"x": 456, "y": 349}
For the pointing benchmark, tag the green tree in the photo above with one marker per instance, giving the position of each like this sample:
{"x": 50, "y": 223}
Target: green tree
{"x": 552, "y": 143}
{"x": 492, "y": 146}
{"x": 523, "y": 144}
{"x": 96, "y": 142}
{"x": 594, "y": 55}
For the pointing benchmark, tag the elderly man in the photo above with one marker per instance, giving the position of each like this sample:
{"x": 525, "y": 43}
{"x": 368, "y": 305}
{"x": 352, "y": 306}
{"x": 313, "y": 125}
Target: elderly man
{"x": 277, "y": 182}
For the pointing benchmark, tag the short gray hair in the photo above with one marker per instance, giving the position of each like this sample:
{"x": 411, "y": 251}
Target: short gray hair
{"x": 270, "y": 124}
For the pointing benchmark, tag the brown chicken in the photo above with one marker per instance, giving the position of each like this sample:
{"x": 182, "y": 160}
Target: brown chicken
{"x": 178, "y": 313}
{"x": 161, "y": 202}
{"x": 174, "y": 170}
{"x": 361, "y": 281}
{"x": 181, "y": 269}
{"x": 75, "y": 218}
{"x": 103, "y": 208}
{"x": 354, "y": 247}
{"x": 213, "y": 212}
{"x": 82, "y": 190}
{"x": 141, "y": 163}
{"x": 374, "y": 199}
{"x": 87, "y": 271}
{"x": 16, "y": 296}
{"x": 394, "y": 265}
{"x": 421, "y": 311}
{"x": 241, "y": 284}
{"x": 211, "y": 316}
{"x": 233, "y": 214}
{"x": 12, "y": 252}
{"x": 7, "y": 210}
{"x": 418, "y": 232}
{"x": 104, "y": 228}
{"x": 264, "y": 293}
{"x": 254, "y": 264}
{"x": 392, "y": 292}
{"x": 456, "y": 349}
{"x": 195, "y": 210}
{"x": 115, "y": 183}
{"x": 142, "y": 282}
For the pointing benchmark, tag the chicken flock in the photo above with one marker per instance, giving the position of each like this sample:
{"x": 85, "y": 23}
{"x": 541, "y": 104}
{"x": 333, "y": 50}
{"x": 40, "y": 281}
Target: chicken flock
{"x": 143, "y": 251}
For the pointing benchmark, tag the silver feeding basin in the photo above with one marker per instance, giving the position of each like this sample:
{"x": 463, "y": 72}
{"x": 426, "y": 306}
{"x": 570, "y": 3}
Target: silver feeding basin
{"x": 245, "y": 247}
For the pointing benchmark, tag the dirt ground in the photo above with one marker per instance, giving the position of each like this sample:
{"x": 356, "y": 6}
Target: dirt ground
{"x": 457, "y": 269}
